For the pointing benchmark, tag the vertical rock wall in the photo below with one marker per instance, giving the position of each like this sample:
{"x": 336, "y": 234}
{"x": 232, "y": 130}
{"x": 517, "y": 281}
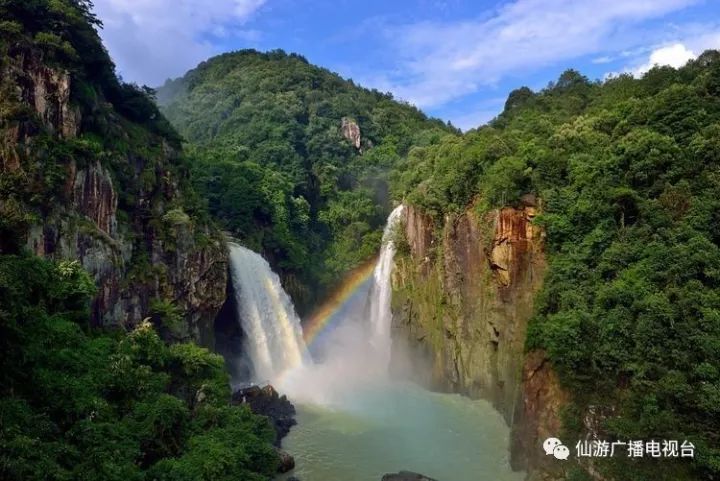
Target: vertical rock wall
{"x": 537, "y": 417}
{"x": 463, "y": 295}
{"x": 137, "y": 256}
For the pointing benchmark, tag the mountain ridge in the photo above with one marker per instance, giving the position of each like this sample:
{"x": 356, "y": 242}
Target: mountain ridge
{"x": 309, "y": 153}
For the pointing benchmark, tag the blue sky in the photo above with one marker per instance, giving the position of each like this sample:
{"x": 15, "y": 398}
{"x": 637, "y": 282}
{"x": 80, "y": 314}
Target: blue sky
{"x": 455, "y": 59}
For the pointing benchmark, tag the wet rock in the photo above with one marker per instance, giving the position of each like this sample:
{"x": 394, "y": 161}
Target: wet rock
{"x": 267, "y": 402}
{"x": 287, "y": 462}
{"x": 462, "y": 299}
{"x": 406, "y": 476}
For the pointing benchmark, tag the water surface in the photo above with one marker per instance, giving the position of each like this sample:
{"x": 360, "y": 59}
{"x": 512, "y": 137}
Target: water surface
{"x": 397, "y": 427}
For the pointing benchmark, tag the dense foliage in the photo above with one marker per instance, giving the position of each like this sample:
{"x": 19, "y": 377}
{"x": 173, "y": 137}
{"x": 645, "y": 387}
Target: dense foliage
{"x": 76, "y": 402}
{"x": 628, "y": 173}
{"x": 270, "y": 158}
{"x": 62, "y": 34}
{"x": 79, "y": 404}
{"x": 91, "y": 169}
{"x": 117, "y": 121}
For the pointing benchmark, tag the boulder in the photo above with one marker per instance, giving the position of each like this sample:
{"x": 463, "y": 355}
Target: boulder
{"x": 266, "y": 401}
{"x": 287, "y": 462}
{"x": 406, "y": 476}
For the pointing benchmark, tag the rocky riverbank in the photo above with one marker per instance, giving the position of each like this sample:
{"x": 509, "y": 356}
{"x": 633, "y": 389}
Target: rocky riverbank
{"x": 266, "y": 401}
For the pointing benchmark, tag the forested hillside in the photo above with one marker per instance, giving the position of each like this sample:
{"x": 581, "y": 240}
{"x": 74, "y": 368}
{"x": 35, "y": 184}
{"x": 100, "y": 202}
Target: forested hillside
{"x": 293, "y": 160}
{"x": 112, "y": 261}
{"x": 104, "y": 248}
{"x": 93, "y": 172}
{"x": 627, "y": 175}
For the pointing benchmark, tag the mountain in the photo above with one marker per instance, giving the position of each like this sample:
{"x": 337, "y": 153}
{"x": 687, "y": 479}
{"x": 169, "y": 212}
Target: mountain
{"x": 93, "y": 172}
{"x": 293, "y": 160}
{"x": 105, "y": 253}
{"x": 564, "y": 263}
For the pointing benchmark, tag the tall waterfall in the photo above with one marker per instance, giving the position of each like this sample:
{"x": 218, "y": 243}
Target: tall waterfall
{"x": 273, "y": 334}
{"x": 356, "y": 352}
{"x": 381, "y": 291}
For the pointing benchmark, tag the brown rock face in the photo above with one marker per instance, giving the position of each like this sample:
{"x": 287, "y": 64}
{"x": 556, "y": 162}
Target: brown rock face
{"x": 351, "y": 131}
{"x": 463, "y": 298}
{"x": 95, "y": 197}
{"x": 537, "y": 415}
{"x": 50, "y": 95}
{"x": 514, "y": 234}
{"x": 419, "y": 234}
{"x": 134, "y": 256}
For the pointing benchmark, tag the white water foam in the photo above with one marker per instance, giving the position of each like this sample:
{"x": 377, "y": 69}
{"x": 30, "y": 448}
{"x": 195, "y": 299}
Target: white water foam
{"x": 273, "y": 334}
{"x": 357, "y": 352}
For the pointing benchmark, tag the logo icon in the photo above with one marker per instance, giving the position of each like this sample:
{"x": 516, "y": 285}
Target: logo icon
{"x": 555, "y": 447}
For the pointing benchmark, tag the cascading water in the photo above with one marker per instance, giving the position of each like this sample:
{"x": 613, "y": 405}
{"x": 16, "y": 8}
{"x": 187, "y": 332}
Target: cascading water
{"x": 273, "y": 334}
{"x": 354, "y": 422}
{"x": 380, "y": 294}
{"x": 356, "y": 353}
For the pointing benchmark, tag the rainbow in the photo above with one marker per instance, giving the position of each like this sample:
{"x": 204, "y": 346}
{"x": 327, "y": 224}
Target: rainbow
{"x": 330, "y": 312}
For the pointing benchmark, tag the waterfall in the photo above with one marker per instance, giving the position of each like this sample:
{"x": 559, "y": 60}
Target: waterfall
{"x": 381, "y": 290}
{"x": 273, "y": 334}
{"x": 356, "y": 352}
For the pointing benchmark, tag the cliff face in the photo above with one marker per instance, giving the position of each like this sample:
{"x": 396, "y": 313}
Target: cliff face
{"x": 537, "y": 417}
{"x": 463, "y": 295}
{"x": 118, "y": 210}
{"x": 351, "y": 131}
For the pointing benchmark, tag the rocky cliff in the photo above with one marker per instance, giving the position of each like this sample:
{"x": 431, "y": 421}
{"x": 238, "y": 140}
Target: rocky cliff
{"x": 81, "y": 181}
{"x": 463, "y": 295}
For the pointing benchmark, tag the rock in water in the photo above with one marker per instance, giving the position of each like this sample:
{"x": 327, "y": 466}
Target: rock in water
{"x": 406, "y": 476}
{"x": 267, "y": 402}
{"x": 287, "y": 462}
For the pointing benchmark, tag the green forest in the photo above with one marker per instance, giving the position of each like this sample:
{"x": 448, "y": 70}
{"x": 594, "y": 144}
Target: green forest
{"x": 626, "y": 170}
{"x": 264, "y": 131}
{"x": 628, "y": 175}
{"x": 81, "y": 401}
{"x": 87, "y": 404}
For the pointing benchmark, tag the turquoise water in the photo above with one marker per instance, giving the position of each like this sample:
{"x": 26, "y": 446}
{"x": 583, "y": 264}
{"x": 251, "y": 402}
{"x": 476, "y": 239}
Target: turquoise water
{"x": 400, "y": 427}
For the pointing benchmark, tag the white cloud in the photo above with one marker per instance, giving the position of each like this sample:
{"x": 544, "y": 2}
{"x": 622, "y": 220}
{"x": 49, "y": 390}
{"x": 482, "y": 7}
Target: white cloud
{"x": 445, "y": 61}
{"x": 675, "y": 56}
{"x": 151, "y": 40}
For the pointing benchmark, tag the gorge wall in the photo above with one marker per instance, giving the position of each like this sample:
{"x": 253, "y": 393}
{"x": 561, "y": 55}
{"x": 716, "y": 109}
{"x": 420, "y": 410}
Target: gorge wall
{"x": 82, "y": 182}
{"x": 463, "y": 295}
